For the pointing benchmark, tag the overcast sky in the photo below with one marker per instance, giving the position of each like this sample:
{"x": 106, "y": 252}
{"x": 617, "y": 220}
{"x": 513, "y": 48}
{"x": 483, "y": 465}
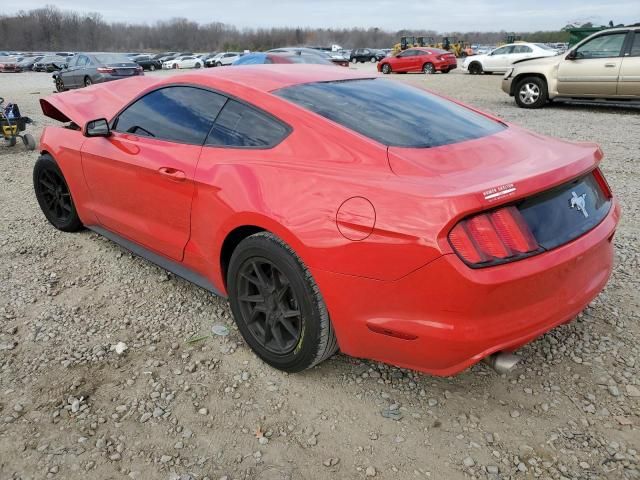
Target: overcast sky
{"x": 439, "y": 15}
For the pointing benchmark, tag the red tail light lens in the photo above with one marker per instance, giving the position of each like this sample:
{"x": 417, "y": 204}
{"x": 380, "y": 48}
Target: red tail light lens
{"x": 494, "y": 237}
{"x": 105, "y": 70}
{"x": 602, "y": 183}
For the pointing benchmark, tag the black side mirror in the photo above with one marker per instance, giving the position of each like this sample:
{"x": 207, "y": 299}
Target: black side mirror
{"x": 572, "y": 55}
{"x": 97, "y": 128}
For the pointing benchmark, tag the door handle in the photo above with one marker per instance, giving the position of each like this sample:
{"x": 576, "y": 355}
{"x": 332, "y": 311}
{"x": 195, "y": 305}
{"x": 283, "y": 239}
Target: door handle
{"x": 610, "y": 65}
{"x": 172, "y": 173}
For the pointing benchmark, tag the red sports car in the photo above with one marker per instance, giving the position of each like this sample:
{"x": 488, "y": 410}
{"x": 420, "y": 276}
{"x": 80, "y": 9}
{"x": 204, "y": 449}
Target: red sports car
{"x": 336, "y": 209}
{"x": 419, "y": 59}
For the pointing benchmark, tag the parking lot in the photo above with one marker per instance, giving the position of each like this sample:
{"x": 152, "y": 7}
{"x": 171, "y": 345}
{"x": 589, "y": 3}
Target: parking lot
{"x": 170, "y": 407}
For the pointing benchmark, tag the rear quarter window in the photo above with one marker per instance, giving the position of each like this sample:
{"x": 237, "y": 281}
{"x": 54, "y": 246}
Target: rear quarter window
{"x": 392, "y": 113}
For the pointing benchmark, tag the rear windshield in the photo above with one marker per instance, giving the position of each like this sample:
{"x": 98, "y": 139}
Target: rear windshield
{"x": 392, "y": 113}
{"x": 112, "y": 58}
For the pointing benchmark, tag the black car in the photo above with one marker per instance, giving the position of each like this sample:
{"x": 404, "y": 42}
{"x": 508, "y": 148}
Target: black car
{"x": 147, "y": 62}
{"x": 85, "y": 69}
{"x": 366, "y": 55}
{"x": 50, "y": 64}
{"x": 27, "y": 63}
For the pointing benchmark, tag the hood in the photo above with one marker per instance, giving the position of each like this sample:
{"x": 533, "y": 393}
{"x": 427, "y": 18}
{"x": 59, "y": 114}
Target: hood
{"x": 548, "y": 60}
{"x": 98, "y": 101}
{"x": 511, "y": 159}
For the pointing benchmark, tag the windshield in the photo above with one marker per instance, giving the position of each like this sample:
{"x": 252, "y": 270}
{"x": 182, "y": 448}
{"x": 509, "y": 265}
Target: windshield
{"x": 392, "y": 113}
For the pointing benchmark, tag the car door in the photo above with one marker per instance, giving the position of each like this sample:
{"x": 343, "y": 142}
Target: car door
{"x": 68, "y": 74}
{"x": 141, "y": 177}
{"x": 629, "y": 79}
{"x": 520, "y": 52}
{"x": 498, "y": 59}
{"x": 79, "y": 70}
{"x": 404, "y": 60}
{"x": 592, "y": 68}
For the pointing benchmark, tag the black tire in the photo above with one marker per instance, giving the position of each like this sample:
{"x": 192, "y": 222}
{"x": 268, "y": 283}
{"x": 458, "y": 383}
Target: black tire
{"x": 12, "y": 141}
{"x": 53, "y": 195}
{"x": 372, "y": 59}
{"x": 531, "y": 92}
{"x": 386, "y": 69}
{"x": 197, "y": 65}
{"x": 152, "y": 68}
{"x": 174, "y": 66}
{"x": 428, "y": 68}
{"x": 59, "y": 84}
{"x": 28, "y": 141}
{"x": 354, "y": 60}
{"x": 87, "y": 82}
{"x": 218, "y": 64}
{"x": 446, "y": 70}
{"x": 273, "y": 295}
{"x": 475, "y": 68}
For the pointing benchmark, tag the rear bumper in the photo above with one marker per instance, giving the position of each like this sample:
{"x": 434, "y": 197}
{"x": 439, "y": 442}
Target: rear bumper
{"x": 446, "y": 316}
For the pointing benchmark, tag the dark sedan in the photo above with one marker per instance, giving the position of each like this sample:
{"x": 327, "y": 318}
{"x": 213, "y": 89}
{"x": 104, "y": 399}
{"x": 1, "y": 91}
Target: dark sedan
{"x": 27, "y": 63}
{"x": 85, "y": 69}
{"x": 332, "y": 57}
{"x": 147, "y": 62}
{"x": 288, "y": 57}
{"x": 366, "y": 55}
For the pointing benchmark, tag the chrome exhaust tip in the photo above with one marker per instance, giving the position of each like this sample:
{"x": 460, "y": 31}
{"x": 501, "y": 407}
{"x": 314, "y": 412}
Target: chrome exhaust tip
{"x": 502, "y": 362}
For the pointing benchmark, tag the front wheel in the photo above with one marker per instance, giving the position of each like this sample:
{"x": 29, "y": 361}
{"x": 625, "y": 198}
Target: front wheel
{"x": 475, "y": 68}
{"x": 372, "y": 59}
{"x": 28, "y": 141}
{"x": 277, "y": 305}
{"x": 386, "y": 68}
{"x": 428, "y": 68}
{"x": 54, "y": 196}
{"x": 198, "y": 65}
{"x": 531, "y": 92}
{"x": 87, "y": 82}
{"x": 354, "y": 60}
{"x": 218, "y": 64}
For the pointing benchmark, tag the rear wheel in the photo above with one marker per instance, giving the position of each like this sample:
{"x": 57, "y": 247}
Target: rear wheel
{"x": 531, "y": 92}
{"x": 446, "y": 70}
{"x": 59, "y": 84}
{"x": 386, "y": 68}
{"x": 54, "y": 196}
{"x": 475, "y": 68}
{"x": 354, "y": 60}
{"x": 277, "y": 305}
{"x": 152, "y": 68}
{"x": 372, "y": 59}
{"x": 428, "y": 68}
{"x": 87, "y": 82}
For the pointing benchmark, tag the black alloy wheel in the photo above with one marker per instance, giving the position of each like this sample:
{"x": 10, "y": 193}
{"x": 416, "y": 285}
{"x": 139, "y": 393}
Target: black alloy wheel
{"x": 53, "y": 195}
{"x": 277, "y": 305}
{"x": 59, "y": 84}
{"x": 269, "y": 306}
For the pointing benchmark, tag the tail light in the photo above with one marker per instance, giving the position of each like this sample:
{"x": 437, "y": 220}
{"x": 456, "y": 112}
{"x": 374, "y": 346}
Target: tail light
{"x": 105, "y": 70}
{"x": 602, "y": 183}
{"x": 494, "y": 237}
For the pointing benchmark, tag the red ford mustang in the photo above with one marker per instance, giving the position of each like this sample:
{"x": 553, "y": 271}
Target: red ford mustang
{"x": 408, "y": 229}
{"x": 423, "y": 59}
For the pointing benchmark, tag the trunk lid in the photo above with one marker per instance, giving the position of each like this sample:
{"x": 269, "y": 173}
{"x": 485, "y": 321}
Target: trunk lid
{"x": 506, "y": 165}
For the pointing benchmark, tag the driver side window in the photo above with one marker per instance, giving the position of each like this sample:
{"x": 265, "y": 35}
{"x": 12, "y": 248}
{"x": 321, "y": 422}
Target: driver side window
{"x": 604, "y": 46}
{"x": 176, "y": 114}
{"x": 407, "y": 53}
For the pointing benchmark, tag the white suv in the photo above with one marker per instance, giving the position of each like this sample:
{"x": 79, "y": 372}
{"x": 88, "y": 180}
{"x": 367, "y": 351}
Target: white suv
{"x": 500, "y": 59}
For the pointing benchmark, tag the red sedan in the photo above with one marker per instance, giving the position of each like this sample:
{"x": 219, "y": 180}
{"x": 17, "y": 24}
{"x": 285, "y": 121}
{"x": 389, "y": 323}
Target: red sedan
{"x": 336, "y": 210}
{"x": 419, "y": 59}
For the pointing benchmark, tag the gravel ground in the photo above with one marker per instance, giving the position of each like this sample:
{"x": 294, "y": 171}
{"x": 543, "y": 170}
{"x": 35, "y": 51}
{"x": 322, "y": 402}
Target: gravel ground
{"x": 74, "y": 405}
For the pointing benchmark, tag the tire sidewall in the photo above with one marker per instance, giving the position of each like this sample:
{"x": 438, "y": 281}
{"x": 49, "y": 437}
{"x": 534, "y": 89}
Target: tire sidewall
{"x": 266, "y": 247}
{"x": 44, "y": 163}
{"x": 542, "y": 99}
{"x": 386, "y": 68}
